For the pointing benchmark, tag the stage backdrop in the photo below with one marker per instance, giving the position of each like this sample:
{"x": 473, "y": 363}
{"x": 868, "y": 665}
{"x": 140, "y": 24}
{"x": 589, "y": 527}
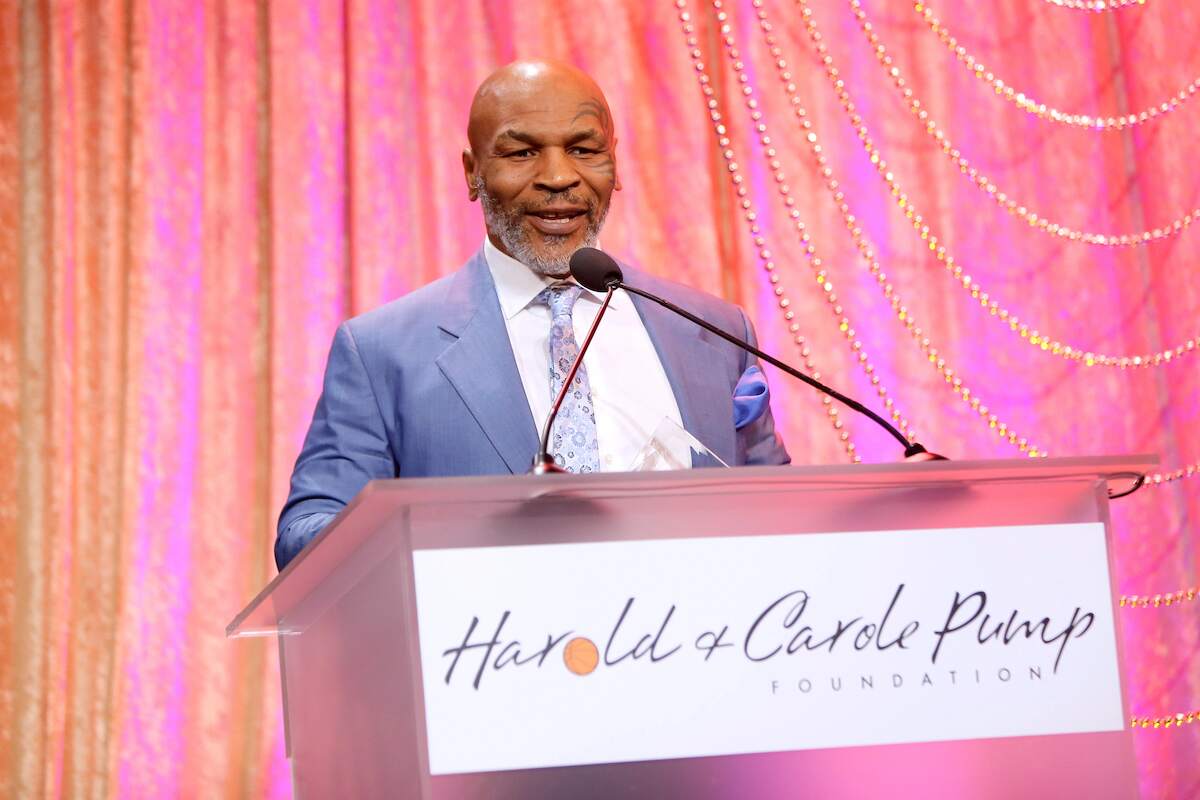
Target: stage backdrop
{"x": 976, "y": 216}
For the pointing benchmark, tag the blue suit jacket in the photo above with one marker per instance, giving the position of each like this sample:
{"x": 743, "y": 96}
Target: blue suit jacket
{"x": 427, "y": 386}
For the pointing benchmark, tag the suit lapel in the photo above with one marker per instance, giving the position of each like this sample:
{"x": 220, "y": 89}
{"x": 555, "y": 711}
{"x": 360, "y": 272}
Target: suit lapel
{"x": 690, "y": 363}
{"x": 481, "y": 368}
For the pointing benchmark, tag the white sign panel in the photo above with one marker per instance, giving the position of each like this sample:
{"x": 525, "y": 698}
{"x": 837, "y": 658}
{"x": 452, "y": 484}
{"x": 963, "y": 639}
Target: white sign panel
{"x": 558, "y": 655}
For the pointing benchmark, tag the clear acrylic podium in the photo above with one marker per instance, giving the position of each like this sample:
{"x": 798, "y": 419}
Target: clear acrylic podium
{"x": 345, "y": 614}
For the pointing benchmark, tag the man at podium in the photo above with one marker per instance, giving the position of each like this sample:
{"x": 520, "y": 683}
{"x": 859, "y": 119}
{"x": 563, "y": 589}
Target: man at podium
{"x": 457, "y": 377}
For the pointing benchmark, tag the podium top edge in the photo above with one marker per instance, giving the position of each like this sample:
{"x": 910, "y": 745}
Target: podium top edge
{"x": 492, "y": 488}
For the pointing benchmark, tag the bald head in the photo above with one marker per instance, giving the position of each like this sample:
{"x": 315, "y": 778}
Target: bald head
{"x": 541, "y": 158}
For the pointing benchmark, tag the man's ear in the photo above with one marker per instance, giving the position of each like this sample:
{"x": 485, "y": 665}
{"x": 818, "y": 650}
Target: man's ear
{"x": 468, "y": 161}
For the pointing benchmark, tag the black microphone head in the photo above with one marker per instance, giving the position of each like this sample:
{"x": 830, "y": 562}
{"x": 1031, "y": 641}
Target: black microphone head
{"x": 594, "y": 269}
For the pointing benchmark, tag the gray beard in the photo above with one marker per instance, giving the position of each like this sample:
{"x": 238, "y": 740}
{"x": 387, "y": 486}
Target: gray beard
{"x": 508, "y": 227}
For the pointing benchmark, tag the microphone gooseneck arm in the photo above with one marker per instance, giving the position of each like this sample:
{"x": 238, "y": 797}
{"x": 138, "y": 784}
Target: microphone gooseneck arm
{"x": 543, "y": 462}
{"x": 910, "y": 448}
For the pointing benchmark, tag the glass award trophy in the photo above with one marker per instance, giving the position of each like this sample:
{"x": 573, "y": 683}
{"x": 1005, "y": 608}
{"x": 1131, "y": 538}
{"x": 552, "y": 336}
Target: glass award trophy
{"x": 670, "y": 447}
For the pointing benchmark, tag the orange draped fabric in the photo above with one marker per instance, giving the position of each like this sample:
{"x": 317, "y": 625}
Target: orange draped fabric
{"x": 193, "y": 195}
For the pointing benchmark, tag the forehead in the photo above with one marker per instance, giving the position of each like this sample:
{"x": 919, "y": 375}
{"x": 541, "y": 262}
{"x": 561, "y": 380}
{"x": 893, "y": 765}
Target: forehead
{"x": 547, "y": 112}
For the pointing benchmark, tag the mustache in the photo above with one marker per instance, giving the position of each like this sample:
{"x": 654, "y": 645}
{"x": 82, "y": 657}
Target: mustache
{"x": 556, "y": 198}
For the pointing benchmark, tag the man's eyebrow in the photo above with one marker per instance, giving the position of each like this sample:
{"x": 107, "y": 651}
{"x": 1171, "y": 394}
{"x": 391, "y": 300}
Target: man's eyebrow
{"x": 587, "y": 133}
{"x": 520, "y": 136}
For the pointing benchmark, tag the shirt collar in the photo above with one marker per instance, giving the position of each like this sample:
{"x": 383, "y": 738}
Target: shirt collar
{"x": 517, "y": 285}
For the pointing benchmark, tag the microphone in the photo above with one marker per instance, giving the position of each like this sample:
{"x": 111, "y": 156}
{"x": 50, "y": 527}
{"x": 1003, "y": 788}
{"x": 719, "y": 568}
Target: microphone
{"x": 543, "y": 462}
{"x": 598, "y": 271}
{"x": 594, "y": 269}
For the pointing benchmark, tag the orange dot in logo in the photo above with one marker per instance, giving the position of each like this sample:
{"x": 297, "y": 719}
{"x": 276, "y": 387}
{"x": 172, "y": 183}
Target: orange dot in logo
{"x": 581, "y": 656}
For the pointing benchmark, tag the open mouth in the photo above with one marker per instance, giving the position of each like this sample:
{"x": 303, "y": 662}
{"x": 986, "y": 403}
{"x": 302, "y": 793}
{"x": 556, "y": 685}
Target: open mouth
{"x": 559, "y": 221}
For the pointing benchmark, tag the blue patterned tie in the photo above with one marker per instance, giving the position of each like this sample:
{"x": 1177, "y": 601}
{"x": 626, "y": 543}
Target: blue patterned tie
{"x": 573, "y": 438}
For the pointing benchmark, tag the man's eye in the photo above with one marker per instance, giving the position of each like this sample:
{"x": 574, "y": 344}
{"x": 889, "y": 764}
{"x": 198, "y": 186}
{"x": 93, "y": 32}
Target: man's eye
{"x": 526, "y": 153}
{"x": 583, "y": 151}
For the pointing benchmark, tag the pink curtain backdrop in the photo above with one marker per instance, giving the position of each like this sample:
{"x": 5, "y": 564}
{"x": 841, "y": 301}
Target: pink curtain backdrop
{"x": 193, "y": 195}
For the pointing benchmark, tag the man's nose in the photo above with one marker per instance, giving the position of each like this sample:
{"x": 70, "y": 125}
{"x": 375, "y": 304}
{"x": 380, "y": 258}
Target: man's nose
{"x": 556, "y": 173}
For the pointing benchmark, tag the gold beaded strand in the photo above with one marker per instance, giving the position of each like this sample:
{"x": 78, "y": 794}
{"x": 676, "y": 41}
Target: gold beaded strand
{"x": 1040, "y": 110}
{"x": 762, "y": 251}
{"x": 1159, "y": 600}
{"x": 992, "y": 191}
{"x": 866, "y": 250}
{"x": 1032, "y": 336}
{"x": 1160, "y": 478}
{"x": 1171, "y": 720}
{"x": 1095, "y": 5}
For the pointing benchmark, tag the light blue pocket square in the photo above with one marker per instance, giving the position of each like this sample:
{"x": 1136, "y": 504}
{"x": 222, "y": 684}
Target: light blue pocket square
{"x": 750, "y": 397}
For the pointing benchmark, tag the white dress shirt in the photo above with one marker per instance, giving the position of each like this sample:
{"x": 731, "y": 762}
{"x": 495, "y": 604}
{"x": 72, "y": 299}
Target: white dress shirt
{"x": 631, "y": 395}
